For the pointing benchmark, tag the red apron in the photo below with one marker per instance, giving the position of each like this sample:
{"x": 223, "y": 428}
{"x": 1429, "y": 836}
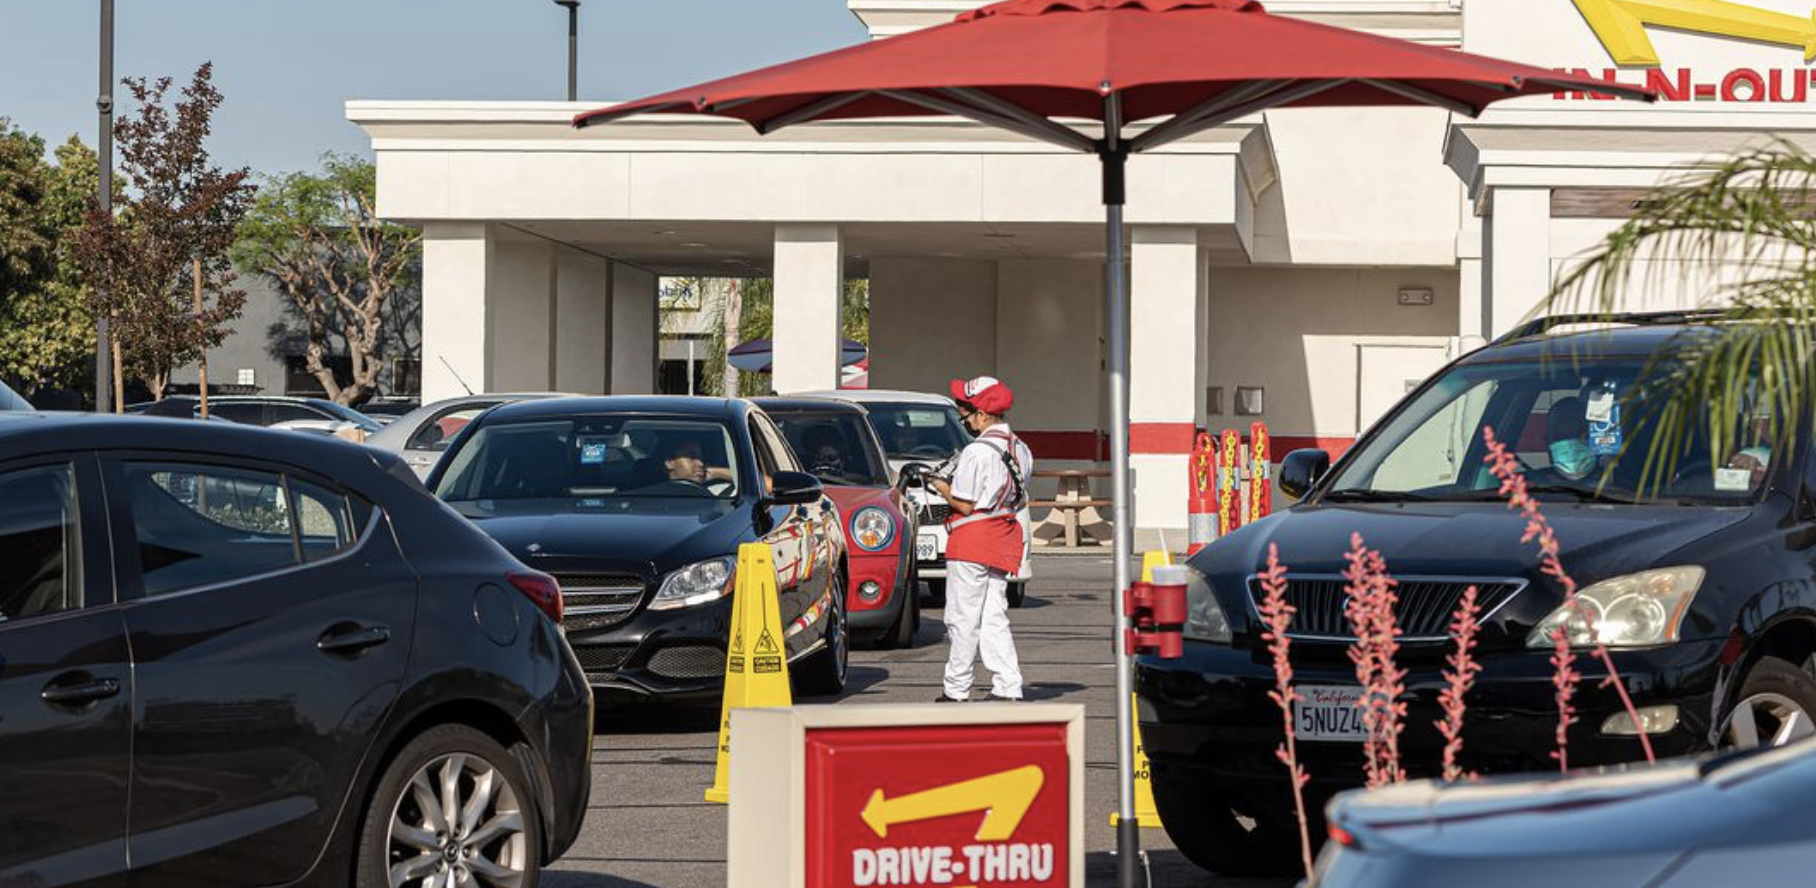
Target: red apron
{"x": 992, "y": 538}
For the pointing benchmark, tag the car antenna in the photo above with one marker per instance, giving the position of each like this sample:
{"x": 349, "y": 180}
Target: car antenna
{"x": 463, "y": 383}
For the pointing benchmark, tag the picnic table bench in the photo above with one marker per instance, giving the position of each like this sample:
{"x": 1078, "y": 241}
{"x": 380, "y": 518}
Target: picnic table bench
{"x": 1072, "y": 504}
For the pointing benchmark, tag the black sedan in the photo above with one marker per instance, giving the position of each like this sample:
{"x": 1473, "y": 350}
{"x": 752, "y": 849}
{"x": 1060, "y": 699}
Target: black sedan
{"x": 1702, "y": 585}
{"x": 638, "y": 506}
{"x": 230, "y": 656}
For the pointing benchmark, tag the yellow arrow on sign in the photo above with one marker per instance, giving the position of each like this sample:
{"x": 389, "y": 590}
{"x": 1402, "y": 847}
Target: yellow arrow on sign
{"x": 1621, "y": 25}
{"x": 1005, "y": 799}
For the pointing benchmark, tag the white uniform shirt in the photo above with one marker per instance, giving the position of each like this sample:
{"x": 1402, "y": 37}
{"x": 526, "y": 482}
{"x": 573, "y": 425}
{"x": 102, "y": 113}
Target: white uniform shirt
{"x": 981, "y": 478}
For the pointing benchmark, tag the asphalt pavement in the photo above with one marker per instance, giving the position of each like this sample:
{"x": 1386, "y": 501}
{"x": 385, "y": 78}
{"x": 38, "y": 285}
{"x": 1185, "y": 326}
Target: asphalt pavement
{"x": 648, "y": 825}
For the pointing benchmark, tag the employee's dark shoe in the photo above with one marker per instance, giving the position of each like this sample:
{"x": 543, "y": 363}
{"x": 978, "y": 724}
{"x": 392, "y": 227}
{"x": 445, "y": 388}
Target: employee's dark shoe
{"x": 945, "y": 699}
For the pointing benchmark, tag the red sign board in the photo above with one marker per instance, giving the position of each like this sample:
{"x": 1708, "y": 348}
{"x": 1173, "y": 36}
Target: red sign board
{"x": 974, "y": 805}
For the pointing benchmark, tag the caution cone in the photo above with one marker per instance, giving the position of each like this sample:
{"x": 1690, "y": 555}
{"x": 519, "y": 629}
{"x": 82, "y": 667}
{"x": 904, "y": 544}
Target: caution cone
{"x": 756, "y": 667}
{"x": 1145, "y": 813}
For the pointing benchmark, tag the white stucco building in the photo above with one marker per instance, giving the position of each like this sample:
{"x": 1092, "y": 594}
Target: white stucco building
{"x": 1325, "y": 257}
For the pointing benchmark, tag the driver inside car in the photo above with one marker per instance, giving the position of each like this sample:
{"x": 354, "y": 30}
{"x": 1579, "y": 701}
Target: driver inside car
{"x": 824, "y": 459}
{"x": 683, "y": 459}
{"x": 1567, "y": 434}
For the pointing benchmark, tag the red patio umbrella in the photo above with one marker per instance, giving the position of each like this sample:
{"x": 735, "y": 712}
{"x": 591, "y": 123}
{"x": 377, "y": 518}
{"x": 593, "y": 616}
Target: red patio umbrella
{"x": 1043, "y": 68}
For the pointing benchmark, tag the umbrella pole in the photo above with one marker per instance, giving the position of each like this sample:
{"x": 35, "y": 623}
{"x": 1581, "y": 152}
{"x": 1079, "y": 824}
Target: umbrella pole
{"x": 1114, "y": 154}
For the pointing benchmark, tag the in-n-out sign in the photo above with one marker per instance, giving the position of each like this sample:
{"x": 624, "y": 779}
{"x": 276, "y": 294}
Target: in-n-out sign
{"x": 1622, "y": 27}
{"x": 978, "y": 796}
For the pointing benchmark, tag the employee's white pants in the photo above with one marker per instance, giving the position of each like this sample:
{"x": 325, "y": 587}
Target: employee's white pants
{"x": 977, "y": 623}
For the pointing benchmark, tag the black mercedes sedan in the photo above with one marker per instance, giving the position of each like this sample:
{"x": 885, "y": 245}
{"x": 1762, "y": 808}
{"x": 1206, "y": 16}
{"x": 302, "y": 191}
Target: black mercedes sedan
{"x": 1702, "y": 585}
{"x": 232, "y": 656}
{"x": 638, "y": 505}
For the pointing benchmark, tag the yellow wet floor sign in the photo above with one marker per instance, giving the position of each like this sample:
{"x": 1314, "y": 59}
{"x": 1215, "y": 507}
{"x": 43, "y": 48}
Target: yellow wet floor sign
{"x": 1145, "y": 812}
{"x": 756, "y": 674}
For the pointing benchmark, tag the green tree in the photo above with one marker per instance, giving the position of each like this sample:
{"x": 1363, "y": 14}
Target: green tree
{"x": 177, "y": 215}
{"x": 1744, "y": 233}
{"x": 317, "y": 238}
{"x": 749, "y": 308}
{"x": 46, "y": 332}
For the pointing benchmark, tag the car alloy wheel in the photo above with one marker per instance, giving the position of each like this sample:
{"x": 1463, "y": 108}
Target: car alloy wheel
{"x": 1767, "y": 720}
{"x": 459, "y": 822}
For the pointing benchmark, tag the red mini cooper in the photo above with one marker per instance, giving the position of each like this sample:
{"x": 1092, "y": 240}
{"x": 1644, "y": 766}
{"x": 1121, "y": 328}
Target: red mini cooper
{"x": 833, "y": 441}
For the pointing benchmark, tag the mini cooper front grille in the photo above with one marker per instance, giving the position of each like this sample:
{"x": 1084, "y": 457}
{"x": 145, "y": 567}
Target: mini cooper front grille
{"x": 1424, "y": 609}
{"x": 598, "y": 601}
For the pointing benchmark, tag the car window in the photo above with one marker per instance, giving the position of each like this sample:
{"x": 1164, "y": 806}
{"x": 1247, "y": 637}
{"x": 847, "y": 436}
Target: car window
{"x": 592, "y": 463}
{"x": 201, "y": 525}
{"x": 238, "y": 411}
{"x": 918, "y": 431}
{"x": 40, "y": 559}
{"x": 778, "y": 446}
{"x": 292, "y": 412}
{"x": 10, "y": 400}
{"x": 325, "y": 520}
{"x": 436, "y": 434}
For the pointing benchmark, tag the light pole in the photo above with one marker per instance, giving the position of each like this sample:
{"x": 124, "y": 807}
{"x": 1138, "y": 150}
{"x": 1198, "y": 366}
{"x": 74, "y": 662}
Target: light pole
{"x": 104, "y": 154}
{"x": 573, "y": 8}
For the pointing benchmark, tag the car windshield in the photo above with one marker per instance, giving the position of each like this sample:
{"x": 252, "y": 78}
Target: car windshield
{"x": 342, "y": 411}
{"x": 835, "y": 447}
{"x": 918, "y": 431}
{"x": 1579, "y": 426}
{"x": 591, "y": 462}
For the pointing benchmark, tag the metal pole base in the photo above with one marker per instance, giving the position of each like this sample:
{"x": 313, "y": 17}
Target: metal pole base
{"x": 1128, "y": 853}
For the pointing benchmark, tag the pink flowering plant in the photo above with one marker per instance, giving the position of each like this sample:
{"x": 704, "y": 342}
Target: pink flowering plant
{"x": 1565, "y": 678}
{"x": 1277, "y": 616}
{"x": 1370, "y": 609}
{"x": 1459, "y": 676}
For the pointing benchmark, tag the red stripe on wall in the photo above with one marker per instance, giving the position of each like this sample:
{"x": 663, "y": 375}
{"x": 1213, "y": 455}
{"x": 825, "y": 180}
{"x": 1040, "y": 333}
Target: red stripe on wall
{"x": 1161, "y": 437}
{"x": 1082, "y": 446}
{"x": 1281, "y": 445}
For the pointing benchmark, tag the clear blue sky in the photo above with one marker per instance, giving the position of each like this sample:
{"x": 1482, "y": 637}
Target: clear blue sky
{"x": 286, "y": 68}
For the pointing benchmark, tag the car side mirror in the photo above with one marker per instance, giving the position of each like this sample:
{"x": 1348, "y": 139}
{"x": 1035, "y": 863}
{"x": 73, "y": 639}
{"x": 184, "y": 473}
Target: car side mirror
{"x": 1301, "y": 470}
{"x": 793, "y": 489}
{"x": 913, "y": 475}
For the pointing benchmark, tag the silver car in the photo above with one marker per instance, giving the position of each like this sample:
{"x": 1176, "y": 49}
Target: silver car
{"x": 10, "y": 400}
{"x": 421, "y": 435}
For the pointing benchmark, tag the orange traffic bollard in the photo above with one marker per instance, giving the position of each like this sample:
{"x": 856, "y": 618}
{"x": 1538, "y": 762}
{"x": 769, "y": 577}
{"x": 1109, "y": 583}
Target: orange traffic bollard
{"x": 1229, "y": 479}
{"x": 1261, "y": 491}
{"x": 1201, "y": 506}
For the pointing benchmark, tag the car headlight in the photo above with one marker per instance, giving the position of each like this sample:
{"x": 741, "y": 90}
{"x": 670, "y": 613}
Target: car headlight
{"x": 1636, "y": 610}
{"x": 1204, "y": 615}
{"x": 872, "y": 528}
{"x": 696, "y": 584}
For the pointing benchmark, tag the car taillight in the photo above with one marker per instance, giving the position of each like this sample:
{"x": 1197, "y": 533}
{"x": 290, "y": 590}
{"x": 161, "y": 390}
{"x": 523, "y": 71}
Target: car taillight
{"x": 542, "y": 590}
{"x": 1342, "y": 836}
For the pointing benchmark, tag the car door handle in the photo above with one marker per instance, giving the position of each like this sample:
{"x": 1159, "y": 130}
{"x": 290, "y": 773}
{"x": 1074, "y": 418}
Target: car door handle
{"x": 352, "y": 639}
{"x": 79, "y": 694}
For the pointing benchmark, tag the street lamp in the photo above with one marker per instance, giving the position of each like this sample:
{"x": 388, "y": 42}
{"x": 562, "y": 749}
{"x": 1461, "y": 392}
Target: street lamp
{"x": 104, "y": 154}
{"x": 573, "y": 8}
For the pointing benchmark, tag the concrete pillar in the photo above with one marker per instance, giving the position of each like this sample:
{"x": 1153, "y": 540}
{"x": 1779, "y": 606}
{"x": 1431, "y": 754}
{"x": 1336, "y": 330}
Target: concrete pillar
{"x": 583, "y": 329}
{"x": 633, "y": 331}
{"x": 1516, "y": 267}
{"x": 520, "y": 292}
{"x": 1166, "y": 302}
{"x": 456, "y": 259}
{"x": 809, "y": 280}
{"x": 931, "y": 320}
{"x": 1049, "y": 331}
{"x": 1472, "y": 306}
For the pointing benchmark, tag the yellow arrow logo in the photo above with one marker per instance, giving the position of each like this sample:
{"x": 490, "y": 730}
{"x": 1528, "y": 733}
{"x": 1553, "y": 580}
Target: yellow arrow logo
{"x": 1004, "y": 798}
{"x": 1621, "y": 25}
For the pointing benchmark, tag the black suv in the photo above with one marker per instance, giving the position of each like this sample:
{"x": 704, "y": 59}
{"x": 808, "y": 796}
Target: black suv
{"x": 1704, "y": 587}
{"x": 230, "y": 656}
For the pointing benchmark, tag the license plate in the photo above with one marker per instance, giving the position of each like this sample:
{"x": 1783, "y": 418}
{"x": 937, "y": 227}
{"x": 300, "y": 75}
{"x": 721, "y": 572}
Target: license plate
{"x": 926, "y": 548}
{"x": 1328, "y": 712}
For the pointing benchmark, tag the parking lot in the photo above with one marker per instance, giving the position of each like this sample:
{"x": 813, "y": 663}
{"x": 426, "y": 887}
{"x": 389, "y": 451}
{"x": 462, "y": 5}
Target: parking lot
{"x": 649, "y": 826}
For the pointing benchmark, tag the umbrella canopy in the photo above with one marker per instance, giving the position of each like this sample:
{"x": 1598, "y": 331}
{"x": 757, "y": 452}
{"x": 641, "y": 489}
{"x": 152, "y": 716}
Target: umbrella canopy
{"x": 1021, "y": 63}
{"x": 1042, "y": 67}
{"x": 758, "y": 355}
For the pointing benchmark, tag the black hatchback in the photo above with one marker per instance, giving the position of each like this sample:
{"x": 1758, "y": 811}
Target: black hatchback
{"x": 1703, "y": 585}
{"x": 230, "y": 656}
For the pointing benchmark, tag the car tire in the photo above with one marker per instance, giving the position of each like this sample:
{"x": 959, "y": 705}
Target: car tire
{"x": 823, "y": 674}
{"x": 1207, "y": 832}
{"x": 400, "y": 825}
{"x": 1779, "y": 703}
{"x": 901, "y": 633}
{"x": 936, "y": 593}
{"x": 1017, "y": 593}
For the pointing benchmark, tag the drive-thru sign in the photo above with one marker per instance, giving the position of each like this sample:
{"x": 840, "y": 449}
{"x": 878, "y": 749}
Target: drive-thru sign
{"x": 981, "y": 795}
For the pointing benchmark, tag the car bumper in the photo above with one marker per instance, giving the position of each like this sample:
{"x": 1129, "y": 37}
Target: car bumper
{"x": 1207, "y": 715}
{"x": 566, "y": 718}
{"x": 889, "y": 570}
{"x": 674, "y": 655}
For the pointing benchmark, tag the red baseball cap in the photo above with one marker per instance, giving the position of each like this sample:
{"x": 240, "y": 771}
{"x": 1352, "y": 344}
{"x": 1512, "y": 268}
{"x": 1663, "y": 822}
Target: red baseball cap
{"x": 985, "y": 393}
